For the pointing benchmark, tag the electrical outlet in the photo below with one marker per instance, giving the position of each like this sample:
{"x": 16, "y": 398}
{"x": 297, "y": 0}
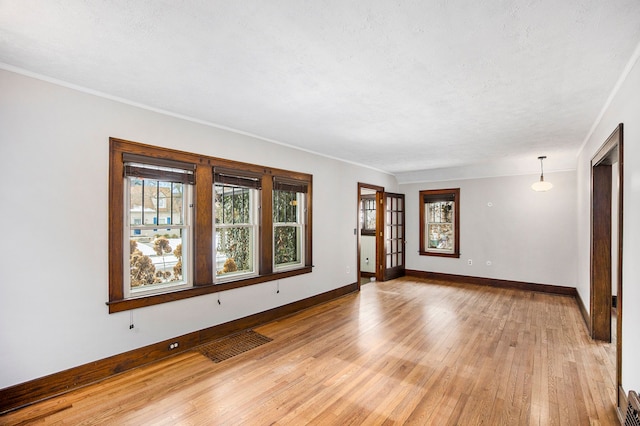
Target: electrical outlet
{"x": 470, "y": 262}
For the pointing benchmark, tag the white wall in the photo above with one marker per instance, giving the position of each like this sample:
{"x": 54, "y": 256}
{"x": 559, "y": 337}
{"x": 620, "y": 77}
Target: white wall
{"x": 623, "y": 108}
{"x": 526, "y": 235}
{"x": 53, "y": 256}
{"x": 368, "y": 253}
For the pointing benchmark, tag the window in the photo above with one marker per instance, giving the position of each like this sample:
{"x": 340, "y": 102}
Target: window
{"x": 156, "y": 255}
{"x": 368, "y": 215}
{"x": 182, "y": 225}
{"x": 236, "y": 199}
{"x": 440, "y": 222}
{"x": 288, "y": 223}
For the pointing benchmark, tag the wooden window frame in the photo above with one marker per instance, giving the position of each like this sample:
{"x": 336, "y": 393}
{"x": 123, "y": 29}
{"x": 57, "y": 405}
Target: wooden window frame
{"x": 435, "y": 194}
{"x": 203, "y": 251}
{"x": 251, "y": 225}
{"x": 300, "y": 189}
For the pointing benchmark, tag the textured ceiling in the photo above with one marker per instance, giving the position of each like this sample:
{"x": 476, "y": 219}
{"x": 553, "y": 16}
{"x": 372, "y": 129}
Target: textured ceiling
{"x": 401, "y": 86}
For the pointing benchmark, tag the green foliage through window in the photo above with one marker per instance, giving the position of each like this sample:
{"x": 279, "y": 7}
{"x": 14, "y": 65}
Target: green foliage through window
{"x": 234, "y": 230}
{"x": 287, "y": 227}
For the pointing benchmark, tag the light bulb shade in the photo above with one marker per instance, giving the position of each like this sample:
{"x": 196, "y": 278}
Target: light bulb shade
{"x": 541, "y": 186}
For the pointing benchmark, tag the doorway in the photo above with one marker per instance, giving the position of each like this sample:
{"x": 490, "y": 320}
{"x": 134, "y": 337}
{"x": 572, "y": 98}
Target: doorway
{"x": 381, "y": 234}
{"x": 368, "y": 232}
{"x": 606, "y": 244}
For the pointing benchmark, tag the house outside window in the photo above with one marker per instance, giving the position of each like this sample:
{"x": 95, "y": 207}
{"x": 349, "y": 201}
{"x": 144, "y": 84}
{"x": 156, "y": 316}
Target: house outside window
{"x": 155, "y": 255}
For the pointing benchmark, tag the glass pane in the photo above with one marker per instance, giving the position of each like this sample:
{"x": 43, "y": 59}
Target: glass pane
{"x": 389, "y": 261}
{"x": 176, "y": 204}
{"x": 232, "y": 205}
{"x": 370, "y": 222}
{"x": 150, "y": 202}
{"x": 440, "y": 236}
{"x": 440, "y": 212}
{"x": 286, "y": 245}
{"x": 156, "y": 259}
{"x": 234, "y": 250}
{"x": 154, "y": 202}
{"x": 136, "y": 206}
{"x": 285, "y": 207}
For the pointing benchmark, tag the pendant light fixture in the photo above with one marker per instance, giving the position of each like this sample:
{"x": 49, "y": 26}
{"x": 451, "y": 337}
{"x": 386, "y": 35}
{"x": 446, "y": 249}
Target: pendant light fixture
{"x": 541, "y": 185}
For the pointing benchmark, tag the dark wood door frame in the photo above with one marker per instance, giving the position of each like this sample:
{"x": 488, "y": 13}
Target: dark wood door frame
{"x": 600, "y": 304}
{"x": 379, "y": 226}
{"x": 601, "y": 268}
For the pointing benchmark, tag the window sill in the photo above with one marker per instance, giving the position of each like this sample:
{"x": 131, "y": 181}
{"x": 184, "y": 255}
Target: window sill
{"x": 198, "y": 290}
{"x": 432, "y": 253}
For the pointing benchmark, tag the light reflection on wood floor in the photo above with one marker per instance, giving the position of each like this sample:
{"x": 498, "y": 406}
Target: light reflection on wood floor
{"x": 402, "y": 351}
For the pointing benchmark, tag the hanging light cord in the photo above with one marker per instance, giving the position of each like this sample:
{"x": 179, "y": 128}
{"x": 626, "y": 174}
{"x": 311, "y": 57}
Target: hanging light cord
{"x": 542, "y": 167}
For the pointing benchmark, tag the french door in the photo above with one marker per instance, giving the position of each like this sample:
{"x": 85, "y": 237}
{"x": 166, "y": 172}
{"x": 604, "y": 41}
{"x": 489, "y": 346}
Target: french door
{"x": 393, "y": 236}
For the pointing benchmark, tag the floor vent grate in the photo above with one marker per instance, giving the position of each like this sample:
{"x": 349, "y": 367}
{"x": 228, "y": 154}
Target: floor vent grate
{"x": 632, "y": 417}
{"x": 233, "y": 345}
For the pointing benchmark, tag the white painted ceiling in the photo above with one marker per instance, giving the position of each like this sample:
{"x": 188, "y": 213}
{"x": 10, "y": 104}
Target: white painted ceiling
{"x": 408, "y": 87}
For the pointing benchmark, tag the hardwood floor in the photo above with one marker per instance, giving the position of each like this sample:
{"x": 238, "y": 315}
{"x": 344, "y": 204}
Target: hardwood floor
{"x": 402, "y": 351}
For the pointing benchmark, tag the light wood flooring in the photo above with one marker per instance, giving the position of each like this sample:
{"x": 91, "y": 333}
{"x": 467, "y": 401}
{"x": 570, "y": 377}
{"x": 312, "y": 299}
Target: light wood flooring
{"x": 399, "y": 352}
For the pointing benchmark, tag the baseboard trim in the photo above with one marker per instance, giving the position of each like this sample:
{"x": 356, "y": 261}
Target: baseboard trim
{"x": 622, "y": 404}
{"x": 27, "y": 393}
{"x": 584, "y": 312}
{"x": 493, "y": 282}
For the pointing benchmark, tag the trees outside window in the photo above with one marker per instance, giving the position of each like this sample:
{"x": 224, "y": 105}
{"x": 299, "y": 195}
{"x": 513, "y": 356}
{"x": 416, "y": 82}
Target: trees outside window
{"x": 368, "y": 215}
{"x": 235, "y": 228}
{"x": 287, "y": 228}
{"x": 288, "y": 223}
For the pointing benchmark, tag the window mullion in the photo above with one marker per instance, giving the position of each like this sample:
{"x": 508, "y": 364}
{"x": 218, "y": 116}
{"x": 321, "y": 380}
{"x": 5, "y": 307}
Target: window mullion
{"x": 142, "y": 202}
{"x": 171, "y": 204}
{"x": 233, "y": 205}
{"x": 222, "y": 206}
